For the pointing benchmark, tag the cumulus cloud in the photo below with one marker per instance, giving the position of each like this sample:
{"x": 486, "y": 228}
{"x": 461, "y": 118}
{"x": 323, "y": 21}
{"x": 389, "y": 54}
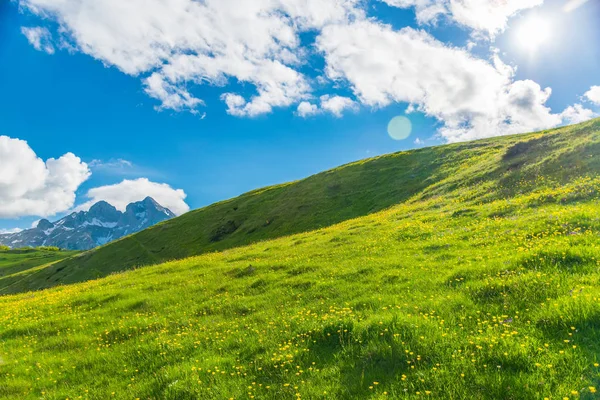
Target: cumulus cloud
{"x": 306, "y": 109}
{"x": 205, "y": 42}
{"x": 489, "y": 17}
{"x": 337, "y": 104}
{"x": 171, "y": 96}
{"x": 278, "y": 85}
{"x": 577, "y": 113}
{"x": 253, "y": 50}
{"x": 40, "y": 38}
{"x": 30, "y": 186}
{"x": 128, "y": 191}
{"x": 593, "y": 95}
{"x": 473, "y": 98}
{"x": 427, "y": 11}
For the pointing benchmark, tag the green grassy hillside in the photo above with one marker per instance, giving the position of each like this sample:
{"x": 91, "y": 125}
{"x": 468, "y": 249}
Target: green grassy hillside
{"x": 17, "y": 263}
{"x": 483, "y": 284}
{"x": 492, "y": 169}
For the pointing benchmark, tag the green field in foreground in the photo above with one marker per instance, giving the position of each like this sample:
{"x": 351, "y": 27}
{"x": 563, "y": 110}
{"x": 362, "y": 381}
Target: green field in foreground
{"x": 486, "y": 286}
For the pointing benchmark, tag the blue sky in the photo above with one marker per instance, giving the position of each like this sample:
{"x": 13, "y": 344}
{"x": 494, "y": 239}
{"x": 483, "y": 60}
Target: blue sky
{"x": 67, "y": 87}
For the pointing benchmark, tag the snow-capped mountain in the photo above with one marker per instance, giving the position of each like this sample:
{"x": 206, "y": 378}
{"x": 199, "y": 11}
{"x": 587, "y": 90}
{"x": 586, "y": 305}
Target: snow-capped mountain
{"x": 87, "y": 229}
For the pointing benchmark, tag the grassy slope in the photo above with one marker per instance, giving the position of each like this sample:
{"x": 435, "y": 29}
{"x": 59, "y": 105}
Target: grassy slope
{"x": 14, "y": 263}
{"x": 334, "y": 196}
{"x": 321, "y": 200}
{"x": 486, "y": 286}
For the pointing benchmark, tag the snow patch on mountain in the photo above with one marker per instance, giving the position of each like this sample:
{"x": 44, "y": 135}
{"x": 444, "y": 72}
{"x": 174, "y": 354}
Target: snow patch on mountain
{"x": 84, "y": 230}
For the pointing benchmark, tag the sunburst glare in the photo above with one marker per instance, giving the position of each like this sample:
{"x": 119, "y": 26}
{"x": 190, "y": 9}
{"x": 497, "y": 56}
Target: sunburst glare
{"x": 533, "y": 33}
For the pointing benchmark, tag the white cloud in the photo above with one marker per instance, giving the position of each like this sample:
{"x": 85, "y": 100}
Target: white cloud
{"x": 171, "y": 96}
{"x": 128, "y": 191}
{"x": 472, "y": 97}
{"x": 112, "y": 164}
{"x": 306, "y": 109}
{"x": 40, "y": 38}
{"x": 593, "y": 95}
{"x": 577, "y": 113}
{"x": 427, "y": 11}
{"x": 235, "y": 103}
{"x": 489, "y": 16}
{"x": 337, "y": 104}
{"x": 278, "y": 85}
{"x": 573, "y": 5}
{"x": 485, "y": 16}
{"x": 253, "y": 51}
{"x": 203, "y": 42}
{"x": 30, "y": 186}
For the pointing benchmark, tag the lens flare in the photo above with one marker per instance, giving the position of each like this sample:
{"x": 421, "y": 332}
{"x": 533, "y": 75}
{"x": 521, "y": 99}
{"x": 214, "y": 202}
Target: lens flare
{"x": 399, "y": 128}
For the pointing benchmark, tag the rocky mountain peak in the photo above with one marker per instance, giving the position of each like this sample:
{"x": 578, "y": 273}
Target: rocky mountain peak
{"x": 104, "y": 211}
{"x": 44, "y": 224}
{"x": 149, "y": 201}
{"x": 147, "y": 208}
{"x": 87, "y": 229}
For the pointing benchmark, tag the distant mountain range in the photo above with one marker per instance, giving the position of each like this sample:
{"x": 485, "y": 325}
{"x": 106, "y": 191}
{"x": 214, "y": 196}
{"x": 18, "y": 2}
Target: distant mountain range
{"x": 85, "y": 230}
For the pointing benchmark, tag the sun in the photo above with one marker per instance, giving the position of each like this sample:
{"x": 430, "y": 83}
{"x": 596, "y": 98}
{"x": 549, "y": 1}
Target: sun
{"x": 533, "y": 33}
